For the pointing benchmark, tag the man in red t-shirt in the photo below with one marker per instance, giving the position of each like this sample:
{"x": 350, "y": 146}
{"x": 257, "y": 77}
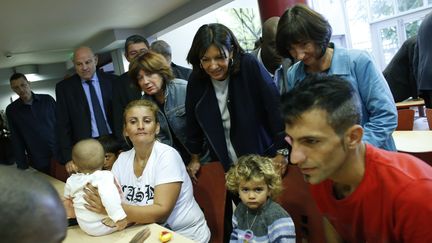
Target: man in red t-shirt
{"x": 366, "y": 194}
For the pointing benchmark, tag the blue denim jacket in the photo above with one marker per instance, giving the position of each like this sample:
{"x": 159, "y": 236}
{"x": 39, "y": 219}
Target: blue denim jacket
{"x": 175, "y": 113}
{"x": 379, "y": 114}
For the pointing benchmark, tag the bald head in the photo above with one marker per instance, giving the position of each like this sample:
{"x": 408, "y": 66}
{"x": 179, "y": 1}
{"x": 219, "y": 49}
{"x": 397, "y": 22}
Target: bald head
{"x": 84, "y": 62}
{"x": 30, "y": 209}
{"x": 271, "y": 59}
{"x": 88, "y": 155}
{"x": 269, "y": 27}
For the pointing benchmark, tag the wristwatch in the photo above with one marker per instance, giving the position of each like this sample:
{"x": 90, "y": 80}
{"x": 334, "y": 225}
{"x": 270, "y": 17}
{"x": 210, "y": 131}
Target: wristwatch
{"x": 284, "y": 152}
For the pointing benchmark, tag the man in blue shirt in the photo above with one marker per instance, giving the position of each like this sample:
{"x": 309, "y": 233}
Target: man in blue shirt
{"x": 31, "y": 121}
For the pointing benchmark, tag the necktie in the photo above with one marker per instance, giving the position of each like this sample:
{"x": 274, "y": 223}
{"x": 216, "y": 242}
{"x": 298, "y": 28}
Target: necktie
{"x": 97, "y": 110}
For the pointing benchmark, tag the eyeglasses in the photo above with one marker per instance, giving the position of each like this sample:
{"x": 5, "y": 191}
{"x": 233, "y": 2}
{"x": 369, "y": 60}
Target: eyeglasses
{"x": 207, "y": 61}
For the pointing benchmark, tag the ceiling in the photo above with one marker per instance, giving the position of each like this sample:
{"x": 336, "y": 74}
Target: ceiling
{"x": 45, "y": 32}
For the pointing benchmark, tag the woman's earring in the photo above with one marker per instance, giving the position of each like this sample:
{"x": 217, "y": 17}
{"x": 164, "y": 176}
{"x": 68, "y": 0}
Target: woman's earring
{"x": 231, "y": 61}
{"x": 201, "y": 66}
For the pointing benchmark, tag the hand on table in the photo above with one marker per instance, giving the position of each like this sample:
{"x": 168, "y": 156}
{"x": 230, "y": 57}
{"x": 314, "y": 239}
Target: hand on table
{"x": 120, "y": 224}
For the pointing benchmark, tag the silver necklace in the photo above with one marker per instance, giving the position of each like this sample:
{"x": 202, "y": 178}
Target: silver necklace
{"x": 248, "y": 235}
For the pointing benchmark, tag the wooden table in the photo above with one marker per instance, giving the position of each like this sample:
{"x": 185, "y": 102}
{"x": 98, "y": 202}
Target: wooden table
{"x": 413, "y": 141}
{"x": 76, "y": 235}
{"x": 406, "y": 104}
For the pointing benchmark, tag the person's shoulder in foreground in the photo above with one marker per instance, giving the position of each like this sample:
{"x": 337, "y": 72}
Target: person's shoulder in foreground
{"x": 30, "y": 209}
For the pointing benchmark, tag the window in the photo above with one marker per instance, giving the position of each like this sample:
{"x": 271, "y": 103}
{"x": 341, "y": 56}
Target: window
{"x": 381, "y": 8}
{"x": 388, "y": 35}
{"x": 405, "y": 5}
{"x": 389, "y": 23}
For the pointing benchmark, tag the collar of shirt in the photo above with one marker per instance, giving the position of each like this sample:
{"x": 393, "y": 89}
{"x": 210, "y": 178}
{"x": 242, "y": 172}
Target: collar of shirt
{"x": 35, "y": 97}
{"x": 260, "y": 60}
{"x": 94, "y": 78}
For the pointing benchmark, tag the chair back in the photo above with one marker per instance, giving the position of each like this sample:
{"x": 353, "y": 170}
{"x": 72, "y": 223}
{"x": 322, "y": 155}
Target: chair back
{"x": 58, "y": 170}
{"x": 298, "y": 202}
{"x": 405, "y": 119}
{"x": 210, "y": 194}
{"x": 429, "y": 117}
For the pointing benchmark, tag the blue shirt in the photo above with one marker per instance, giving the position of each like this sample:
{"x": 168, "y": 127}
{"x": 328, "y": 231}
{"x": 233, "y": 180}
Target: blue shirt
{"x": 32, "y": 130}
{"x": 379, "y": 114}
{"x": 94, "y": 128}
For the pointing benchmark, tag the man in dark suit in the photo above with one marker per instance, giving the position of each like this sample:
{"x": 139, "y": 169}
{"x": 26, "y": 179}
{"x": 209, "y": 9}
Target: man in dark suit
{"x": 164, "y": 49}
{"x": 84, "y": 104}
{"x": 125, "y": 90}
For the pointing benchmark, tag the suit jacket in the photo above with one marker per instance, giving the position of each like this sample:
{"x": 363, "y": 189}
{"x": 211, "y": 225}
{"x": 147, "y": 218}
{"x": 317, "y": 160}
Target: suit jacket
{"x": 73, "y": 112}
{"x": 124, "y": 91}
{"x": 181, "y": 72}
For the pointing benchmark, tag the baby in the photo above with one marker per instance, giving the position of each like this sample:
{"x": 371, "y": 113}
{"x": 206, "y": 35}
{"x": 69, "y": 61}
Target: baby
{"x": 88, "y": 155}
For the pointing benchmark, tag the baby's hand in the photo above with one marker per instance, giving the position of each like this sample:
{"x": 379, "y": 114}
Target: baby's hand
{"x": 121, "y": 224}
{"x": 68, "y": 205}
{"x": 109, "y": 222}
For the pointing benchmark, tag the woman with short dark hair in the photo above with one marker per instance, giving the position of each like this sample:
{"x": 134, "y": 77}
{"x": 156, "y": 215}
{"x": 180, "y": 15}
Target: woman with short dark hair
{"x": 304, "y": 34}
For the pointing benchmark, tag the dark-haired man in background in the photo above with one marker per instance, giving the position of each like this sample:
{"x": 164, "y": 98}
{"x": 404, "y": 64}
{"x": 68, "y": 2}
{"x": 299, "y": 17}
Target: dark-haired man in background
{"x": 31, "y": 121}
{"x": 124, "y": 89}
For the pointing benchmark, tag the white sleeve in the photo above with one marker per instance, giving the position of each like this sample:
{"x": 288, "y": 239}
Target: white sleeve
{"x": 170, "y": 168}
{"x": 110, "y": 196}
{"x": 67, "y": 190}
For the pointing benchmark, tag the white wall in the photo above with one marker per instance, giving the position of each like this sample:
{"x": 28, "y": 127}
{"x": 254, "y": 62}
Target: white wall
{"x": 179, "y": 39}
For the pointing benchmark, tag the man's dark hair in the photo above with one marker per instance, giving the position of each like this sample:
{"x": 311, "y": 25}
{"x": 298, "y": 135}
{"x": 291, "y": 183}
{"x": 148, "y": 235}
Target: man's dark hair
{"x": 329, "y": 93}
{"x": 110, "y": 144}
{"x": 133, "y": 39}
{"x": 17, "y": 76}
{"x": 220, "y": 36}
